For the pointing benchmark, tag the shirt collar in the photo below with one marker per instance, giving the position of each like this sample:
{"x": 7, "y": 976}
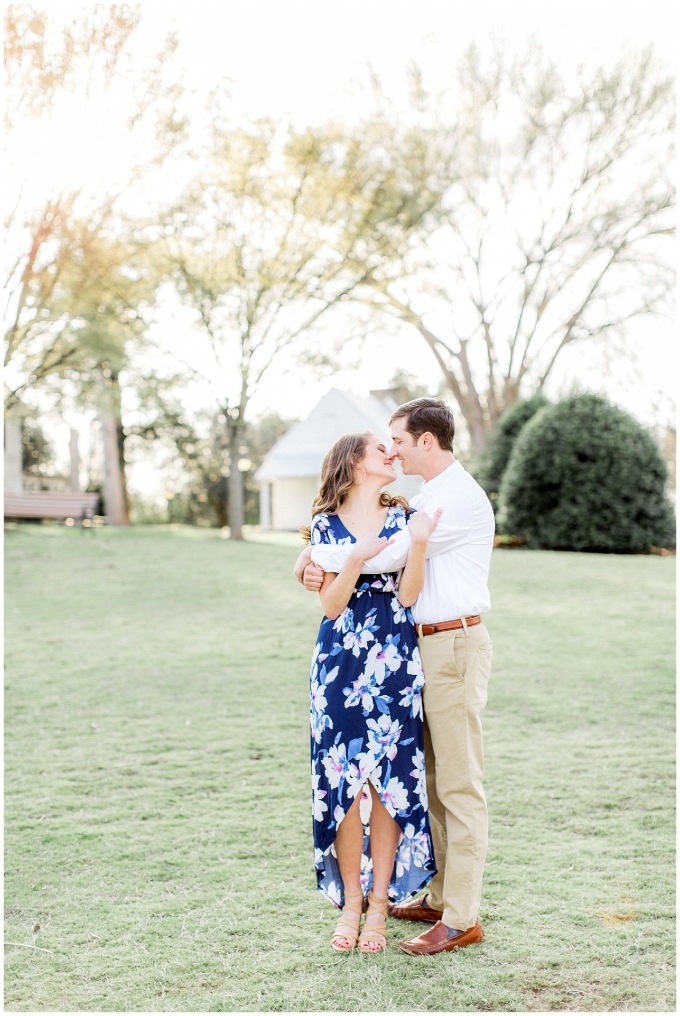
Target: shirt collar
{"x": 429, "y": 485}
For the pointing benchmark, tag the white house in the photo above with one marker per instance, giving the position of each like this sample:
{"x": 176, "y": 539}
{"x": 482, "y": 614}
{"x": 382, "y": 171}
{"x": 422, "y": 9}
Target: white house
{"x": 290, "y": 475}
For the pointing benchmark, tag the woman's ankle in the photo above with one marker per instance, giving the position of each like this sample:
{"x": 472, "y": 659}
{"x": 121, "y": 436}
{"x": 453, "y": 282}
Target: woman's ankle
{"x": 353, "y": 894}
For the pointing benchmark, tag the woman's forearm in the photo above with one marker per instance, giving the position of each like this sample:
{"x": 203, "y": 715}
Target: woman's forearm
{"x": 336, "y": 592}
{"x": 413, "y": 575}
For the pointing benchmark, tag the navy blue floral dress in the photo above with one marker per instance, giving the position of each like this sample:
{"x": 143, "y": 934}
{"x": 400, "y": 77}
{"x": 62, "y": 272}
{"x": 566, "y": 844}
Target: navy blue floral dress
{"x": 367, "y": 724}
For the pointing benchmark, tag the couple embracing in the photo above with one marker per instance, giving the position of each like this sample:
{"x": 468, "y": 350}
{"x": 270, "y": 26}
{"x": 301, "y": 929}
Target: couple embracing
{"x": 398, "y": 684}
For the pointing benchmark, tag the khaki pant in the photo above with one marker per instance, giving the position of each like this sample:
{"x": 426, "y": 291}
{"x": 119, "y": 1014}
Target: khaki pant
{"x": 457, "y": 667}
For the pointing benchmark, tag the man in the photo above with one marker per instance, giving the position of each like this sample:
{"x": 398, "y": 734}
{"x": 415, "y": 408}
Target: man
{"x": 456, "y": 655}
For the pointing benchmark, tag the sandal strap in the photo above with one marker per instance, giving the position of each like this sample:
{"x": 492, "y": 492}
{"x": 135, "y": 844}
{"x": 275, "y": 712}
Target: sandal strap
{"x": 349, "y": 921}
{"x": 350, "y": 917}
{"x": 354, "y": 907}
{"x": 375, "y": 932}
{"x": 377, "y": 904}
{"x": 377, "y": 924}
{"x": 355, "y": 903}
{"x": 347, "y": 928}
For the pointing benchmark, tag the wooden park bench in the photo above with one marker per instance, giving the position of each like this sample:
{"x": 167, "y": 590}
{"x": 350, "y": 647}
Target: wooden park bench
{"x": 46, "y": 504}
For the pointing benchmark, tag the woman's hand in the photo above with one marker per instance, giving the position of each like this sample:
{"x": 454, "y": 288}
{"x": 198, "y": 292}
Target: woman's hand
{"x": 312, "y": 575}
{"x": 421, "y": 526}
{"x": 337, "y": 589}
{"x": 369, "y": 546}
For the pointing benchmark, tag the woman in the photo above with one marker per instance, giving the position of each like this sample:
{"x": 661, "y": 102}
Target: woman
{"x": 368, "y": 767}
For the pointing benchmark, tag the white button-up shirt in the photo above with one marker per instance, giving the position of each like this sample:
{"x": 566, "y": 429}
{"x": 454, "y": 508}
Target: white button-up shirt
{"x": 458, "y": 551}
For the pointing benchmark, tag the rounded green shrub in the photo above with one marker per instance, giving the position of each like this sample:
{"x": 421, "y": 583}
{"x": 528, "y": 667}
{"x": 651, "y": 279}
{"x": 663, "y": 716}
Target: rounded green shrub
{"x": 501, "y": 442}
{"x": 584, "y": 475}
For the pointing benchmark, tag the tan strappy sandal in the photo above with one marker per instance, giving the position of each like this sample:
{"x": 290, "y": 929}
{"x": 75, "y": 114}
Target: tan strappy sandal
{"x": 347, "y": 928}
{"x": 375, "y": 932}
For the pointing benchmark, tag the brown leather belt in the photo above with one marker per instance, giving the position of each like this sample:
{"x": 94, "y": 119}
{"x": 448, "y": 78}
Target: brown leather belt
{"x": 430, "y": 629}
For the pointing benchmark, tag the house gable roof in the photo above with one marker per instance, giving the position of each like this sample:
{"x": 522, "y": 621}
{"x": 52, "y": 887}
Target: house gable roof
{"x": 301, "y": 450}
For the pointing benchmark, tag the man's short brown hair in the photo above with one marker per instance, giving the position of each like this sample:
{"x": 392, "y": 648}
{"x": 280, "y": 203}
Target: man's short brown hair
{"x": 428, "y": 416}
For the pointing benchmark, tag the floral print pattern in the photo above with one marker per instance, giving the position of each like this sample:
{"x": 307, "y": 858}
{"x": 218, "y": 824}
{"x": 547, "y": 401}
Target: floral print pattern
{"x": 366, "y": 718}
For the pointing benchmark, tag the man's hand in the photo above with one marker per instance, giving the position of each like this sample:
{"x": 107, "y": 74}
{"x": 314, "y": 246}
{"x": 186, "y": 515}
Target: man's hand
{"x": 302, "y": 562}
{"x": 312, "y": 577}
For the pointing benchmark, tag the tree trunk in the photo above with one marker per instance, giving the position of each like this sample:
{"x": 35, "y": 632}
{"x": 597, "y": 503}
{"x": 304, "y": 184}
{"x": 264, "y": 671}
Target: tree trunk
{"x": 75, "y": 462}
{"x": 120, "y": 437}
{"x": 467, "y": 398}
{"x": 115, "y": 487}
{"x": 472, "y": 410}
{"x": 14, "y": 473}
{"x": 222, "y": 504}
{"x": 475, "y": 422}
{"x": 114, "y": 490}
{"x": 235, "y": 483}
{"x": 265, "y": 505}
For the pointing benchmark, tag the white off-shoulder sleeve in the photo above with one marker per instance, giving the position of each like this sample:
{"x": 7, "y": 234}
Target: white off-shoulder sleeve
{"x": 453, "y": 528}
{"x": 391, "y": 559}
{"x": 331, "y": 557}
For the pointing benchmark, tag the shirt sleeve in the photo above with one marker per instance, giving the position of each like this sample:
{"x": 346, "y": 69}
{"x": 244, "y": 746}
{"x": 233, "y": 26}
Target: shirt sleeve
{"x": 453, "y": 529}
{"x": 331, "y": 556}
{"x": 455, "y": 525}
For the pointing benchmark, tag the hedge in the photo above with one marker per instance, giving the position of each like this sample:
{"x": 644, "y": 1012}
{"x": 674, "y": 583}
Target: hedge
{"x": 502, "y": 441}
{"x": 584, "y": 475}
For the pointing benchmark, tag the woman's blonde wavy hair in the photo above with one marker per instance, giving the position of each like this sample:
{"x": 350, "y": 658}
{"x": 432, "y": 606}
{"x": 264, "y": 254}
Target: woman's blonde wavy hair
{"x": 337, "y": 479}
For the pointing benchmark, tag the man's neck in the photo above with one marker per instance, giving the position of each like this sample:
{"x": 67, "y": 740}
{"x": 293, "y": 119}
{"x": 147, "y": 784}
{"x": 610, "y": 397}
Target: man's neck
{"x": 437, "y": 466}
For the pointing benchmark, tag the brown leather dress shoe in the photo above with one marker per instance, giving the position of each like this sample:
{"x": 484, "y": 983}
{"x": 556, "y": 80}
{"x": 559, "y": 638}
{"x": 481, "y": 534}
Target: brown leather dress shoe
{"x": 415, "y": 910}
{"x": 436, "y": 940}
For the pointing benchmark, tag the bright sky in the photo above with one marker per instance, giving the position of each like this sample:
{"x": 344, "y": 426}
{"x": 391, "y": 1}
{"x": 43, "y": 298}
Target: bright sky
{"x": 298, "y": 57}
{"x": 305, "y": 58}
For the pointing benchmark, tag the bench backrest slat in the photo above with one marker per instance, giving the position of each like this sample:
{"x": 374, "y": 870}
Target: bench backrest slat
{"x": 48, "y": 504}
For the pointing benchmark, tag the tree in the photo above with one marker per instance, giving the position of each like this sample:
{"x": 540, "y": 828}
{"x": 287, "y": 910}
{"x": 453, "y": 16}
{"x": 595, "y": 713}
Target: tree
{"x": 78, "y": 307}
{"x": 37, "y": 450}
{"x": 584, "y": 475}
{"x": 552, "y": 226}
{"x": 43, "y": 61}
{"x": 204, "y": 498}
{"x": 403, "y": 387}
{"x": 74, "y": 286}
{"x": 277, "y": 230}
{"x": 501, "y": 442}
{"x": 49, "y": 237}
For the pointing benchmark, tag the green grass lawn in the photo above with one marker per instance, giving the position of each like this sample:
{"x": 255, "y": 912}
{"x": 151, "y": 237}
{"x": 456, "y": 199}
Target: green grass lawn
{"x": 157, "y": 809}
